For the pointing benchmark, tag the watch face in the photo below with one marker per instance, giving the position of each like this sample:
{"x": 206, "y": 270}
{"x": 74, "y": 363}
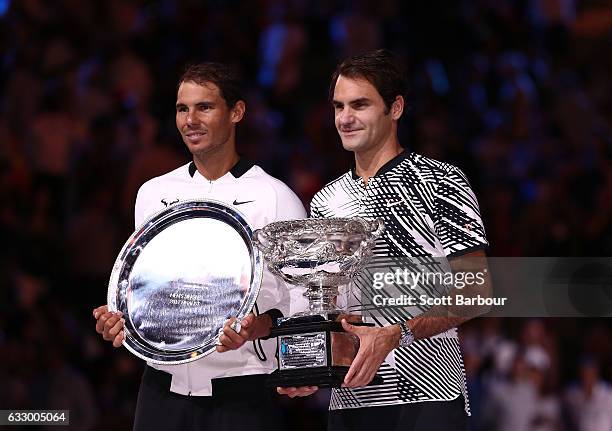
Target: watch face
{"x": 180, "y": 276}
{"x": 406, "y": 337}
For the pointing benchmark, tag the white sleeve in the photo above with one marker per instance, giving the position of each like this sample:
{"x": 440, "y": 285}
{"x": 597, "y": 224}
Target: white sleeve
{"x": 139, "y": 207}
{"x": 288, "y": 205}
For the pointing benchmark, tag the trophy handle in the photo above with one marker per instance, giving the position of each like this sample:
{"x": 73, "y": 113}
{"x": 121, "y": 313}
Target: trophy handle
{"x": 262, "y": 241}
{"x": 377, "y": 227}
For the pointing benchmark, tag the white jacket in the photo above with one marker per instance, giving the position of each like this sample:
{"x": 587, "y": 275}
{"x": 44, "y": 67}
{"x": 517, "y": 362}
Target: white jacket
{"x": 269, "y": 200}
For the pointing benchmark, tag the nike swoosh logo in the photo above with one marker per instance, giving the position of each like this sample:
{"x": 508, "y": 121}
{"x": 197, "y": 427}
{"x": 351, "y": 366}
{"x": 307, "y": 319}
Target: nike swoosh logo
{"x": 392, "y": 204}
{"x": 240, "y": 203}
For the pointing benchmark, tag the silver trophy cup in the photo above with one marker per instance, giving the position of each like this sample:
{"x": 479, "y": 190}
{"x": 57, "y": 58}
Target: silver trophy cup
{"x": 321, "y": 255}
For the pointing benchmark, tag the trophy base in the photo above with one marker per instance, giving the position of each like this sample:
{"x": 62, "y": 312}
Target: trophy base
{"x": 314, "y": 351}
{"x": 323, "y": 377}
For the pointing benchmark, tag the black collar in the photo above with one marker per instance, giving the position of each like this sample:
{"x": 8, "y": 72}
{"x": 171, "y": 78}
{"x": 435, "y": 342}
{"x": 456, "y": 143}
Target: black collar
{"x": 238, "y": 170}
{"x": 384, "y": 168}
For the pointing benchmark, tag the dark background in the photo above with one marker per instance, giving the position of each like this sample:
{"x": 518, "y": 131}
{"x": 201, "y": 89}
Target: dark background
{"x": 516, "y": 93}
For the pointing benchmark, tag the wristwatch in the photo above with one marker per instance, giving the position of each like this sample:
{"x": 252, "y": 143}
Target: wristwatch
{"x": 406, "y": 336}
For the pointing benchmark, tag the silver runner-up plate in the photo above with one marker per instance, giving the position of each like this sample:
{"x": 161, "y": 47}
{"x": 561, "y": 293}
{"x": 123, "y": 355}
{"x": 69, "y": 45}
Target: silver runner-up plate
{"x": 180, "y": 276}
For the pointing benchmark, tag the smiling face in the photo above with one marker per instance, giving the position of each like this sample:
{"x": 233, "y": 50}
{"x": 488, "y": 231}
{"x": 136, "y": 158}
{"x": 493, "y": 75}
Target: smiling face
{"x": 361, "y": 117}
{"x": 206, "y": 123}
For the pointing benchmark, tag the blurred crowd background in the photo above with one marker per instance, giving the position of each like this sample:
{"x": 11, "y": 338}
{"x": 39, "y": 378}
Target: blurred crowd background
{"x": 516, "y": 93}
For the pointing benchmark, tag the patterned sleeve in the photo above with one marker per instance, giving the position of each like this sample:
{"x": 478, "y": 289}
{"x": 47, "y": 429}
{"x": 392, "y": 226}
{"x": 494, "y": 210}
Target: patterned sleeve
{"x": 457, "y": 218}
{"x": 314, "y": 210}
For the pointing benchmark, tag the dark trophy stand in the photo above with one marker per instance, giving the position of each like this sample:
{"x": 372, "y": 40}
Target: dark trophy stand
{"x": 339, "y": 348}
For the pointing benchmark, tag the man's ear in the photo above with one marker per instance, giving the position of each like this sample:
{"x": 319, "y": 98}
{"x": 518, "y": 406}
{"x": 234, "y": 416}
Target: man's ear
{"x": 397, "y": 107}
{"x": 237, "y": 112}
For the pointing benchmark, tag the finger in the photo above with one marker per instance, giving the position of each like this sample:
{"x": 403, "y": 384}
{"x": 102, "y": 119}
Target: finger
{"x": 247, "y": 335}
{"x": 234, "y": 336}
{"x": 290, "y": 392}
{"x": 228, "y": 342}
{"x": 116, "y": 328}
{"x": 363, "y": 377}
{"x": 102, "y": 321}
{"x": 247, "y": 330}
{"x": 222, "y": 348}
{"x": 366, "y": 373}
{"x": 369, "y": 377}
{"x": 248, "y": 321}
{"x": 225, "y": 341}
{"x": 311, "y": 391}
{"x": 115, "y": 313}
{"x": 228, "y": 322}
{"x": 302, "y": 391}
{"x": 350, "y": 328}
{"x": 233, "y": 325}
{"x": 355, "y": 368}
{"x": 100, "y": 310}
{"x": 108, "y": 325}
{"x": 110, "y": 322}
{"x": 118, "y": 341}
{"x": 306, "y": 391}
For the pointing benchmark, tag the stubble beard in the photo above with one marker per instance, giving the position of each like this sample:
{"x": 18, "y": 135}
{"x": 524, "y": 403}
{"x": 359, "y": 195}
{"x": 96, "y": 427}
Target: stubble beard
{"x": 208, "y": 151}
{"x": 354, "y": 145}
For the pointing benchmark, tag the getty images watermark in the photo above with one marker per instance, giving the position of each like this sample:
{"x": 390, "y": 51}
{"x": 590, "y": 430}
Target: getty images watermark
{"x": 504, "y": 286}
{"x": 415, "y": 281}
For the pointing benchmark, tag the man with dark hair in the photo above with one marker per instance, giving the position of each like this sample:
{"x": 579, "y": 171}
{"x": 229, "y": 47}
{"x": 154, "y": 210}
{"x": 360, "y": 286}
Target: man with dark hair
{"x": 429, "y": 210}
{"x": 379, "y": 68}
{"x": 222, "y": 391}
{"x": 224, "y": 77}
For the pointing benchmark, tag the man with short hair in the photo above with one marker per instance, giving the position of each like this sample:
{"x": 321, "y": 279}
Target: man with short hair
{"x": 429, "y": 210}
{"x": 222, "y": 391}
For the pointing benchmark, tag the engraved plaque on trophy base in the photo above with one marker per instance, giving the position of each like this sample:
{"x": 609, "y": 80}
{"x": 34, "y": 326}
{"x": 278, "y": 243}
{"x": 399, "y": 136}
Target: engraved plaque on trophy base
{"x": 314, "y": 351}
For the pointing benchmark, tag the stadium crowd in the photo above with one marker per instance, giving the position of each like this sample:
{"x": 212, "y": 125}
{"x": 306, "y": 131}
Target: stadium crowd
{"x": 516, "y": 93}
